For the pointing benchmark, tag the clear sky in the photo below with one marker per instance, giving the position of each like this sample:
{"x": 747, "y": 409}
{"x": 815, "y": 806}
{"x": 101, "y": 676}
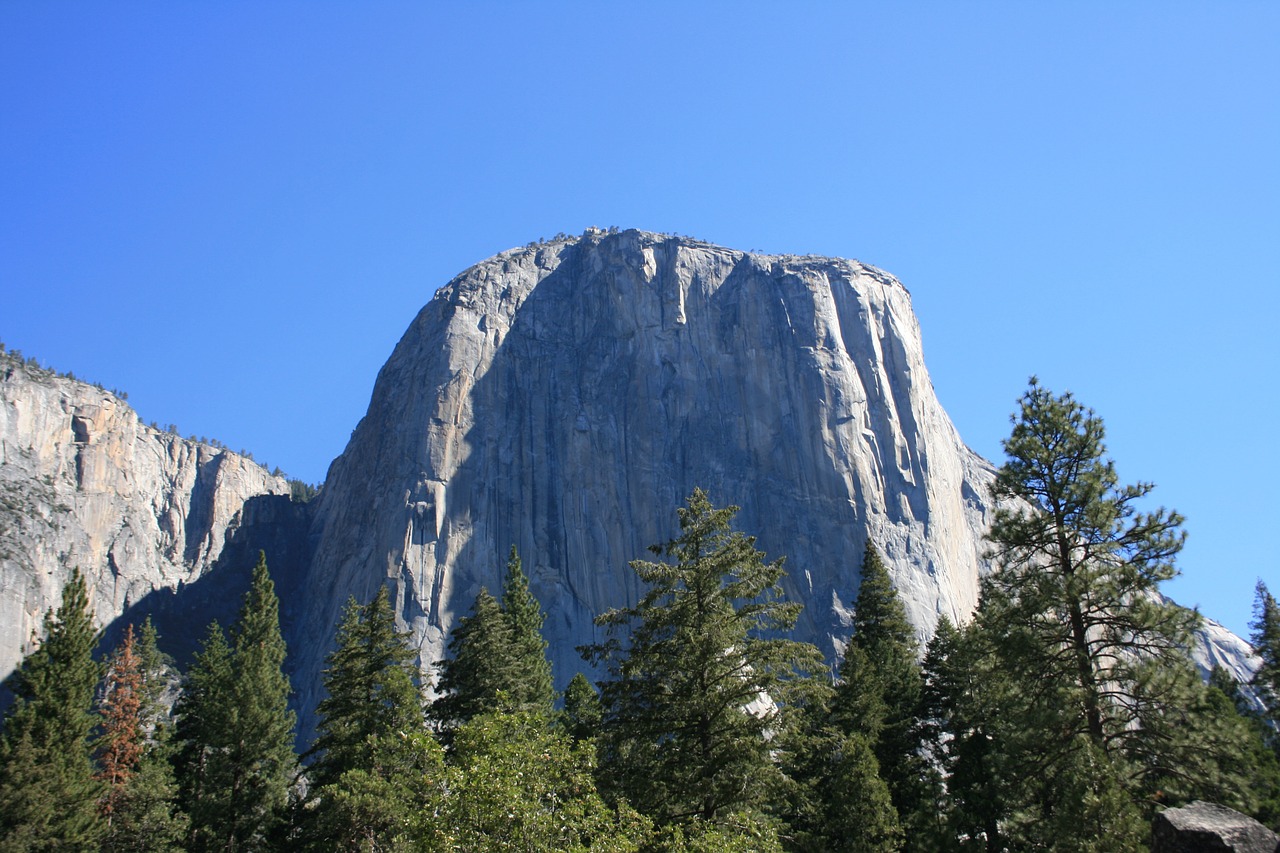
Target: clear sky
{"x": 233, "y": 210}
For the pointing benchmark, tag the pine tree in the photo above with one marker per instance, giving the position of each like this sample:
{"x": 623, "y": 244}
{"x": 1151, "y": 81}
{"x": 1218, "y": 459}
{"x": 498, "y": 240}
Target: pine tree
{"x": 373, "y": 759}
{"x": 1265, "y": 637}
{"x": 134, "y": 752}
{"x": 881, "y": 667}
{"x": 497, "y": 656}
{"x": 693, "y": 691}
{"x": 48, "y": 793}
{"x": 532, "y": 688}
{"x": 237, "y": 762}
{"x": 480, "y": 672}
{"x": 956, "y": 696}
{"x": 1094, "y": 658}
{"x": 122, "y": 740}
{"x": 581, "y": 709}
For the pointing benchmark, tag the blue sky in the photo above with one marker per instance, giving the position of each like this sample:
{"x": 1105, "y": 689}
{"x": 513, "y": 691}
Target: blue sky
{"x": 232, "y": 211}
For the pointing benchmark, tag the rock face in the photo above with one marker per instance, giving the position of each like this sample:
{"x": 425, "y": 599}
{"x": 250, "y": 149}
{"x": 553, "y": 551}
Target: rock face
{"x": 566, "y": 397}
{"x": 1210, "y": 828}
{"x": 84, "y": 484}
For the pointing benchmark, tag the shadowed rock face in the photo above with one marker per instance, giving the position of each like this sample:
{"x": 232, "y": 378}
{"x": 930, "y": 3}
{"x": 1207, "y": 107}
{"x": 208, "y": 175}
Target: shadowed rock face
{"x": 83, "y": 483}
{"x": 565, "y": 398}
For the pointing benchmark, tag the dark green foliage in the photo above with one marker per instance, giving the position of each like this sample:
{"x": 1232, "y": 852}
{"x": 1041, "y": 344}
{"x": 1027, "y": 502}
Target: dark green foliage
{"x": 372, "y": 752}
{"x": 480, "y": 670}
{"x": 703, "y": 644}
{"x": 236, "y": 761}
{"x": 879, "y": 693}
{"x": 48, "y": 794}
{"x": 1098, "y": 711}
{"x": 956, "y": 713}
{"x": 581, "y": 709}
{"x": 532, "y": 687}
{"x": 497, "y": 656}
{"x": 836, "y": 799}
{"x": 1265, "y": 638}
{"x": 389, "y": 803}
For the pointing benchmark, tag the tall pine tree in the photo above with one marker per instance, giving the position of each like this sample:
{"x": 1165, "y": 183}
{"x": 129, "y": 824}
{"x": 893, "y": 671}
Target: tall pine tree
{"x": 532, "y": 689}
{"x": 372, "y": 758}
{"x": 881, "y": 666}
{"x": 48, "y": 793}
{"x": 1095, "y": 717}
{"x": 497, "y": 656}
{"x": 237, "y": 761}
{"x": 696, "y": 669}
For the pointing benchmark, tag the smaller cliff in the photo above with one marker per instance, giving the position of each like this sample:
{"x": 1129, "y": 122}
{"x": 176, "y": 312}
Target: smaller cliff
{"x": 84, "y": 483}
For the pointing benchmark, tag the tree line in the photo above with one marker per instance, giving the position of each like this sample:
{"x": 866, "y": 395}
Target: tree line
{"x": 1066, "y": 712}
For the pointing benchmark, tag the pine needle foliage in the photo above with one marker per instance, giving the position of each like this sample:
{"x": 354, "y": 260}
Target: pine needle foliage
{"x": 696, "y": 672}
{"x": 236, "y": 761}
{"x": 48, "y": 793}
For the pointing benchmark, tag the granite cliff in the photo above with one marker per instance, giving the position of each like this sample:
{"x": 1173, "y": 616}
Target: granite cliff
{"x": 564, "y": 397}
{"x": 84, "y": 483}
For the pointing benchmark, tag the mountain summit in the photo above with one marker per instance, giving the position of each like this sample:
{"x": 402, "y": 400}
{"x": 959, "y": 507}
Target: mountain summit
{"x": 565, "y": 397}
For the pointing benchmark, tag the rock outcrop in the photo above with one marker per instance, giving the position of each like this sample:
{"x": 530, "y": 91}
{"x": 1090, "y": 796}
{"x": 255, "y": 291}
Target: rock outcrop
{"x": 83, "y": 483}
{"x": 566, "y": 397}
{"x": 1201, "y": 827}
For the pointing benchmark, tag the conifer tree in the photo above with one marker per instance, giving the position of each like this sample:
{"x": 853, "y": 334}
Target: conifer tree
{"x": 140, "y": 807}
{"x": 1095, "y": 659}
{"x": 1265, "y": 638}
{"x": 581, "y": 709}
{"x": 881, "y": 668}
{"x": 374, "y": 763}
{"x": 694, "y": 688}
{"x": 532, "y": 687}
{"x": 237, "y": 761}
{"x": 48, "y": 793}
{"x": 480, "y": 672}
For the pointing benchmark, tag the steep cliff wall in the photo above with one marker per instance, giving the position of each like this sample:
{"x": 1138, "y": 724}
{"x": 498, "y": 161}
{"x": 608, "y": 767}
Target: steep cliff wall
{"x": 566, "y": 397}
{"x": 84, "y": 483}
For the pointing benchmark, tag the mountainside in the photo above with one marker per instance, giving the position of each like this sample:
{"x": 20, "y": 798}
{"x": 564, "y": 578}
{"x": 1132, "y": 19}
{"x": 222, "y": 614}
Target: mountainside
{"x": 566, "y": 397}
{"x": 83, "y": 483}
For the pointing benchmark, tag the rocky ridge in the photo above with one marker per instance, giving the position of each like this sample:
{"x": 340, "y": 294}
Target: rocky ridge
{"x": 84, "y": 483}
{"x": 566, "y": 397}
{"x": 563, "y": 397}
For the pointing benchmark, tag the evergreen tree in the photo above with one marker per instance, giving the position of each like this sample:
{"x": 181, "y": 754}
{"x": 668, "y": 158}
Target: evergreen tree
{"x": 1094, "y": 659}
{"x": 480, "y": 672}
{"x": 48, "y": 793}
{"x": 373, "y": 759}
{"x": 881, "y": 669}
{"x": 237, "y": 762}
{"x": 696, "y": 686}
{"x": 497, "y": 656}
{"x": 836, "y": 798}
{"x": 1265, "y": 638}
{"x": 956, "y": 714}
{"x": 581, "y": 709}
{"x": 532, "y": 688}
{"x": 134, "y": 752}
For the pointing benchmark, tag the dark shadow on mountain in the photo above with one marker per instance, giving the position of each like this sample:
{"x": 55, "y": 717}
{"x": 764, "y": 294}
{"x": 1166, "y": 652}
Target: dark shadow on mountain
{"x": 272, "y": 524}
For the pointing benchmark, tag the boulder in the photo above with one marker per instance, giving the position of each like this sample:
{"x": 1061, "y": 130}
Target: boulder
{"x": 1201, "y": 827}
